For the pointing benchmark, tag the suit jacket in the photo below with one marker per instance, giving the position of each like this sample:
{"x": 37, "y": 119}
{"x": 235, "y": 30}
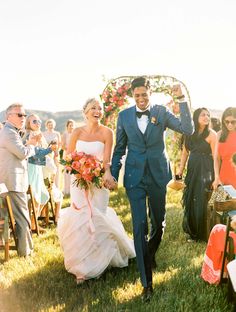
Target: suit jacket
{"x": 148, "y": 148}
{"x": 13, "y": 159}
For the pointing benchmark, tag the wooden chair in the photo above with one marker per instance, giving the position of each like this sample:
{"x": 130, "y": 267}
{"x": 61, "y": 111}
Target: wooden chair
{"x": 7, "y": 221}
{"x": 32, "y": 210}
{"x": 224, "y": 211}
{"x": 228, "y": 253}
{"x": 50, "y": 205}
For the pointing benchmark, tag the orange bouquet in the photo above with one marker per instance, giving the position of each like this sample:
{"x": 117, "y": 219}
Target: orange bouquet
{"x": 87, "y": 169}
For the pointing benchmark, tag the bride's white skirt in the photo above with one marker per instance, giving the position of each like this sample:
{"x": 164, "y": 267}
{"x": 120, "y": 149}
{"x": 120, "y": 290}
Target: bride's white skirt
{"x": 92, "y": 236}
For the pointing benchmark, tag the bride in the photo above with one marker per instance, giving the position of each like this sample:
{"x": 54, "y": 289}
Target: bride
{"x": 91, "y": 235}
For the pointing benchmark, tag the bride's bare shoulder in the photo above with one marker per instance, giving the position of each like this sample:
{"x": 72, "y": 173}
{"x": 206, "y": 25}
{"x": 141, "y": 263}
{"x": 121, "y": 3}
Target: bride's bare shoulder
{"x": 106, "y": 130}
{"x": 78, "y": 130}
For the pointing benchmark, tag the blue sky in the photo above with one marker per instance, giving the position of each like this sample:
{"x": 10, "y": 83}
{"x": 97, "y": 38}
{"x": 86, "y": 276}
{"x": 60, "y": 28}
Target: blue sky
{"x": 54, "y": 53}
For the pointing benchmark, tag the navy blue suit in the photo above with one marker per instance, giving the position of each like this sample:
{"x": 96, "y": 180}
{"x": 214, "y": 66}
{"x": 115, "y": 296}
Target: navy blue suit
{"x": 147, "y": 172}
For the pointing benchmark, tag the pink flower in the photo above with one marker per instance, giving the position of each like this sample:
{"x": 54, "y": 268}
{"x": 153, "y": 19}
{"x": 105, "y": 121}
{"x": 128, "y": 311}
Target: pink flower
{"x": 76, "y": 165}
{"x": 121, "y": 102}
{"x": 120, "y": 90}
{"x": 108, "y": 108}
{"x": 68, "y": 168}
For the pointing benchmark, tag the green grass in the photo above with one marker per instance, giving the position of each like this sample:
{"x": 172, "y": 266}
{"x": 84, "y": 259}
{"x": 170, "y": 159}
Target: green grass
{"x": 41, "y": 283}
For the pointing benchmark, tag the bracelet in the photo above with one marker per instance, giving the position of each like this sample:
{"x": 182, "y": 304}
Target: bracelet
{"x": 107, "y": 165}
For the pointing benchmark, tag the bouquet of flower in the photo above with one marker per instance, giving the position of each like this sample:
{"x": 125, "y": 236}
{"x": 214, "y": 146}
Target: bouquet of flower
{"x": 87, "y": 169}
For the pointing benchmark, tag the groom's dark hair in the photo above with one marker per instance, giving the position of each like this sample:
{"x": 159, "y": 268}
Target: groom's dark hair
{"x": 140, "y": 82}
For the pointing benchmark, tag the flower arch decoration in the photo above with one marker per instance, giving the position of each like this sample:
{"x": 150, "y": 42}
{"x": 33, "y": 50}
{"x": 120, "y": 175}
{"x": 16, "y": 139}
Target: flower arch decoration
{"x": 117, "y": 93}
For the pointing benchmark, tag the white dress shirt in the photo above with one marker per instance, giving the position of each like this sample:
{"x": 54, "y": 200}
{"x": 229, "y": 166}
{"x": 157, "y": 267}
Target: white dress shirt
{"x": 143, "y": 121}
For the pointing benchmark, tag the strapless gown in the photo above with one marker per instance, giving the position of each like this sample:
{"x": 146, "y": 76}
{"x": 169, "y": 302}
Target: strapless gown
{"x": 91, "y": 235}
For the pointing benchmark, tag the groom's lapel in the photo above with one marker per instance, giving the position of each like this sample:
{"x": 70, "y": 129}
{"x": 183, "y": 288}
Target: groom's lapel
{"x": 152, "y": 122}
{"x": 133, "y": 121}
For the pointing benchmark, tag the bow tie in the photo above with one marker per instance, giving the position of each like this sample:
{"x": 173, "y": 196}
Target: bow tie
{"x": 140, "y": 114}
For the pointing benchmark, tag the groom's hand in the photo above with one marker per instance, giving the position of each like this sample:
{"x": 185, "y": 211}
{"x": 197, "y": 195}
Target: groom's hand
{"x": 177, "y": 91}
{"x": 109, "y": 182}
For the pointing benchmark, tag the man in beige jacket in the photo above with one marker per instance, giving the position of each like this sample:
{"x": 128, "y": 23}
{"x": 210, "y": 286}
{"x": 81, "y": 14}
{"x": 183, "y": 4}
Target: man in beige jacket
{"x": 13, "y": 173}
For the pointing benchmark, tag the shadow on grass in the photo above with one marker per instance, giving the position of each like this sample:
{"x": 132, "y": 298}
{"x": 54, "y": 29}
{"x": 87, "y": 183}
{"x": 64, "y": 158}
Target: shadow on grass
{"x": 51, "y": 286}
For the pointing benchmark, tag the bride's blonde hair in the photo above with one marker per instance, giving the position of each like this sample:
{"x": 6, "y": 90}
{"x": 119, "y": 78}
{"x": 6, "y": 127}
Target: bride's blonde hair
{"x": 88, "y": 104}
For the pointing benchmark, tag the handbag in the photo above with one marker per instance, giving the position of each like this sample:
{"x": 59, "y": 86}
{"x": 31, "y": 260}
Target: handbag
{"x": 219, "y": 195}
{"x": 176, "y": 184}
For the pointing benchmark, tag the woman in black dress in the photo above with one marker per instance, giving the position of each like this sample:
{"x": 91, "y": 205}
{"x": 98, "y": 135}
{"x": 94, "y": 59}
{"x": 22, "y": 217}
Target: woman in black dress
{"x": 198, "y": 149}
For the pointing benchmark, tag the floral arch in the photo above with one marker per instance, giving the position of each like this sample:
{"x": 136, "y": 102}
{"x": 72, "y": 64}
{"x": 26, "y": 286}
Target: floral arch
{"x": 117, "y": 94}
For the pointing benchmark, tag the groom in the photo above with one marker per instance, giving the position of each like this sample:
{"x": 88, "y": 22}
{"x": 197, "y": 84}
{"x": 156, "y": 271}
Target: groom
{"x": 141, "y": 130}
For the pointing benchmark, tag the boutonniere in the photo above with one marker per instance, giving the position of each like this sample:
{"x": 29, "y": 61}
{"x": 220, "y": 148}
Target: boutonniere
{"x": 154, "y": 120}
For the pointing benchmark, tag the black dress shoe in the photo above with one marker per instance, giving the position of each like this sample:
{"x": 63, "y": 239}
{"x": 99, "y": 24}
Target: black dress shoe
{"x": 154, "y": 264}
{"x": 147, "y": 293}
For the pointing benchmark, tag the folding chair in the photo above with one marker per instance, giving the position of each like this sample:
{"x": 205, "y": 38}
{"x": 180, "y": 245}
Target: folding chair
{"x": 6, "y": 220}
{"x": 32, "y": 210}
{"x": 225, "y": 210}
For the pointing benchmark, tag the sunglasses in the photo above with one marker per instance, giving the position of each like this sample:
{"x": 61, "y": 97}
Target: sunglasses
{"x": 232, "y": 122}
{"x": 19, "y": 115}
{"x": 36, "y": 121}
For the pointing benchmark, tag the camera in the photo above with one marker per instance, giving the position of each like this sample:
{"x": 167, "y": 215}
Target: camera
{"x": 52, "y": 142}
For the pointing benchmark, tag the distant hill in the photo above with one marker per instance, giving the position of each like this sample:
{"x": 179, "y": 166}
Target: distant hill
{"x": 216, "y": 113}
{"x": 60, "y": 117}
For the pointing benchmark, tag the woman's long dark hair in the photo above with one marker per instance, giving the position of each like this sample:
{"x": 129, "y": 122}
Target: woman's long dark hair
{"x": 196, "y": 135}
{"x": 230, "y": 111}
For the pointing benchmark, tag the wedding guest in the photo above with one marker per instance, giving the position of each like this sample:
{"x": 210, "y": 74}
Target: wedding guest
{"x": 141, "y": 131}
{"x": 36, "y": 163}
{"x": 215, "y": 124}
{"x": 91, "y": 235}
{"x": 65, "y": 139}
{"x": 198, "y": 149}
{"x": 225, "y": 164}
{"x": 51, "y": 135}
{"x": 49, "y": 172}
{"x": 226, "y": 147}
{"x": 13, "y": 169}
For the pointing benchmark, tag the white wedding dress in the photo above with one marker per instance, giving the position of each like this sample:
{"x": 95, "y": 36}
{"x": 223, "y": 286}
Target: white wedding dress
{"x": 91, "y": 235}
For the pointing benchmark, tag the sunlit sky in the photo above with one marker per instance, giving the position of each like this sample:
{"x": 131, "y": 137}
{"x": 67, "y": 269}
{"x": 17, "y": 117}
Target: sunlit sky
{"x": 54, "y": 53}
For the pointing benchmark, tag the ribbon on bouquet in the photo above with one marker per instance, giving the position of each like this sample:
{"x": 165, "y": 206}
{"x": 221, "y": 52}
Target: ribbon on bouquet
{"x": 91, "y": 225}
{"x": 90, "y": 212}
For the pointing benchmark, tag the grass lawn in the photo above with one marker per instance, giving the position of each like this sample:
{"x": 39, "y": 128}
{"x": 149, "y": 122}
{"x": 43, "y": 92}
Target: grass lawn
{"x": 41, "y": 283}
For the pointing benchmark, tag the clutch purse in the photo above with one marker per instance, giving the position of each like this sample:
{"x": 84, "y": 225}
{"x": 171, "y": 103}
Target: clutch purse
{"x": 176, "y": 183}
